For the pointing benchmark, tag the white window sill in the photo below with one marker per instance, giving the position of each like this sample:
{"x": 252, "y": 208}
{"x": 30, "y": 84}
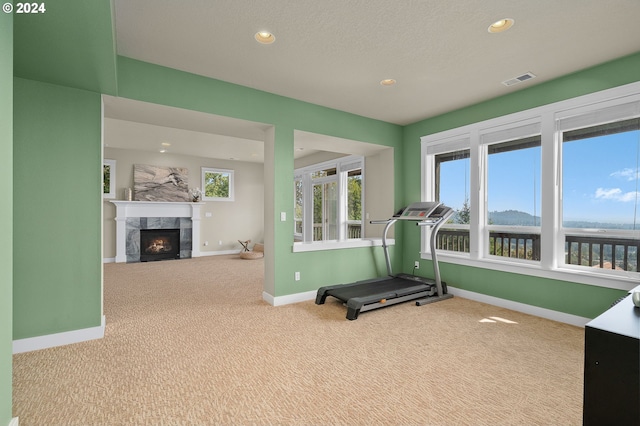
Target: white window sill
{"x": 338, "y": 245}
{"x": 620, "y": 280}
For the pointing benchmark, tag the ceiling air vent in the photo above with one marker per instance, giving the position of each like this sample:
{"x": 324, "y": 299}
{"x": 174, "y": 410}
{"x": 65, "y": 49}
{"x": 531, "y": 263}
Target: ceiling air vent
{"x": 519, "y": 79}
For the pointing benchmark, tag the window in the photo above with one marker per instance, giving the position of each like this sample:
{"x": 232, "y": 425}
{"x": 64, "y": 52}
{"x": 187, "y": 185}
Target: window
{"x": 328, "y": 201}
{"x": 217, "y": 184}
{"x": 451, "y": 182}
{"x": 600, "y": 195}
{"x": 513, "y": 198}
{"x": 325, "y": 209}
{"x": 108, "y": 178}
{"x": 298, "y": 210}
{"x": 551, "y": 192}
{"x": 354, "y": 203}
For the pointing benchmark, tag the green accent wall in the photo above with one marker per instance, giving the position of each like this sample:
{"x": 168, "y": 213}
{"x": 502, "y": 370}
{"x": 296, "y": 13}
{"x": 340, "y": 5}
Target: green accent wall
{"x": 572, "y": 298}
{"x": 71, "y": 44}
{"x": 57, "y": 174}
{"x": 6, "y": 215}
{"x": 151, "y": 83}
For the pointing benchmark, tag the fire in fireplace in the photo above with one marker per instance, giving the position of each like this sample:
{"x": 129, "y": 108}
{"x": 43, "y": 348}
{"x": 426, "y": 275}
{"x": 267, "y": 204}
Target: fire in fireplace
{"x": 159, "y": 244}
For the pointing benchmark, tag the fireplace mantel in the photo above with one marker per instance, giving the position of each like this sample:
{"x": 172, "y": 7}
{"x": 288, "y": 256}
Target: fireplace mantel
{"x": 127, "y": 209}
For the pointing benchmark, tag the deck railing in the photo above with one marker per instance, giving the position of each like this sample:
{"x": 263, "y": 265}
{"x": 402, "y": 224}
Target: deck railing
{"x": 595, "y": 252}
{"x": 602, "y": 252}
{"x": 354, "y": 230}
{"x": 507, "y": 244}
{"x": 520, "y": 246}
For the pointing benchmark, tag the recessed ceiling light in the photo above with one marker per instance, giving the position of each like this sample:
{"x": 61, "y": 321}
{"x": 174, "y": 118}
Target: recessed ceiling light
{"x": 501, "y": 25}
{"x": 388, "y": 82}
{"x": 264, "y": 37}
{"x": 163, "y": 151}
{"x": 165, "y": 144}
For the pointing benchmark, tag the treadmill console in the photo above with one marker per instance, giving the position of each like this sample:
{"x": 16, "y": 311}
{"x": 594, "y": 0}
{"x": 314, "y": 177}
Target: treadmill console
{"x": 417, "y": 211}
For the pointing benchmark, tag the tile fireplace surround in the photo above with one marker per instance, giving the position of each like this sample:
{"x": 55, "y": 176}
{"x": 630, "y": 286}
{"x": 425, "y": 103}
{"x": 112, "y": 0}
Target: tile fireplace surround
{"x": 131, "y": 216}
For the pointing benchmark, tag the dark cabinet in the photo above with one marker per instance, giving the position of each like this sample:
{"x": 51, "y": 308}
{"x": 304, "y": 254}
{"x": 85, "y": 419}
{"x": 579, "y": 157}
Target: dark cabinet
{"x": 612, "y": 367}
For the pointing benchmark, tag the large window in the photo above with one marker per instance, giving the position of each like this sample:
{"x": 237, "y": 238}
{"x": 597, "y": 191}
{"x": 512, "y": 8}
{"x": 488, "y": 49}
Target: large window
{"x": 451, "y": 179}
{"x": 600, "y": 195}
{"x": 513, "y": 198}
{"x": 329, "y": 201}
{"x": 553, "y": 191}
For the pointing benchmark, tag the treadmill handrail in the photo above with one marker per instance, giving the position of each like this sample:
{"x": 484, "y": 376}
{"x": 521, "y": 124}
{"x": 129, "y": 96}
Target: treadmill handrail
{"x": 443, "y": 214}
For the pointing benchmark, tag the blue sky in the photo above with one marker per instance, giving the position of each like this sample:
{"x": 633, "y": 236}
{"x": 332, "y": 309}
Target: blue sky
{"x": 600, "y": 180}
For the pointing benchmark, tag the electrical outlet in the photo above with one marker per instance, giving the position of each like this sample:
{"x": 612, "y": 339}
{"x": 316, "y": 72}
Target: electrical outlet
{"x": 297, "y": 276}
{"x": 416, "y": 265}
{"x": 220, "y": 242}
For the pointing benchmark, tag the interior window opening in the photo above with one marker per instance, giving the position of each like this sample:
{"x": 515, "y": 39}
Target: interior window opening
{"x": 329, "y": 201}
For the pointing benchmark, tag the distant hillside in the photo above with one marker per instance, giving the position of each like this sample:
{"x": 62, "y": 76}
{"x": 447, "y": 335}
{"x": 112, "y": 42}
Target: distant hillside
{"x": 518, "y": 218}
{"x": 513, "y": 218}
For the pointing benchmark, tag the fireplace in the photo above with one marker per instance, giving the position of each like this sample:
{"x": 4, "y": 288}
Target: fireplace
{"x": 159, "y": 244}
{"x": 135, "y": 216}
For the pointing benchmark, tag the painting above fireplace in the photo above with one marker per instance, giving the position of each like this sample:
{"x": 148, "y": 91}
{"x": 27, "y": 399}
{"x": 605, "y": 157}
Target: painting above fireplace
{"x": 157, "y": 183}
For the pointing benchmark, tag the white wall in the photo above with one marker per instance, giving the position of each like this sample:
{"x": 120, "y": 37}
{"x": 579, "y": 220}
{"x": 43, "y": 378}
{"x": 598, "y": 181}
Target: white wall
{"x": 378, "y": 192}
{"x": 230, "y": 221}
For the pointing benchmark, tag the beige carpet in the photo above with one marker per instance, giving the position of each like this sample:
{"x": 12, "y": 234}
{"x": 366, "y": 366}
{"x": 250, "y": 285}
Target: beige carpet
{"x": 191, "y": 342}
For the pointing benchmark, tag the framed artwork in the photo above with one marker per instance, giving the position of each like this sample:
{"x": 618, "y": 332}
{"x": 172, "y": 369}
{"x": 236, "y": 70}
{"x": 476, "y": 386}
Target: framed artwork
{"x": 109, "y": 178}
{"x": 159, "y": 183}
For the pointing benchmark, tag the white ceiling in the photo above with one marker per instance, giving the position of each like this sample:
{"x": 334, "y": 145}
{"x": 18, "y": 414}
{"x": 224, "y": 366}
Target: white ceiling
{"x": 335, "y": 52}
{"x": 131, "y": 124}
{"x": 143, "y": 126}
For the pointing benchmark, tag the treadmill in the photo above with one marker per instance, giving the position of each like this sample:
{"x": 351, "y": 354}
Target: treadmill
{"x": 366, "y": 295}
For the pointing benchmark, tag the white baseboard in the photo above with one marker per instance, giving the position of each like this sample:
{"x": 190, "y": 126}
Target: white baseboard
{"x": 521, "y": 307}
{"x": 59, "y": 339}
{"x": 478, "y": 297}
{"x": 13, "y": 422}
{"x": 202, "y": 254}
{"x": 289, "y": 298}
{"x": 219, "y": 252}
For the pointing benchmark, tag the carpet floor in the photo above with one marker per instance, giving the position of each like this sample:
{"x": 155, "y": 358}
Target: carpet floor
{"x": 191, "y": 342}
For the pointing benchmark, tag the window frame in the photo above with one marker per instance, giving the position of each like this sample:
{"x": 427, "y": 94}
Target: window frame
{"x": 552, "y": 234}
{"x": 203, "y": 173}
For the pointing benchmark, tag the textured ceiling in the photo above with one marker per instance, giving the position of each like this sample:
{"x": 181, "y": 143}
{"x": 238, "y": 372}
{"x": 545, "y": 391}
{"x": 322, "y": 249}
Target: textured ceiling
{"x": 335, "y": 52}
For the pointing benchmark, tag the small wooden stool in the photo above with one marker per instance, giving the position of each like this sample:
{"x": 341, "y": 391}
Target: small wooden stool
{"x": 251, "y": 255}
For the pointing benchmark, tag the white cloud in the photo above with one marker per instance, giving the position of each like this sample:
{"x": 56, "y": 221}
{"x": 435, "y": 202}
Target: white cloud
{"x": 608, "y": 194}
{"x": 628, "y": 174}
{"x": 630, "y": 196}
{"x": 616, "y": 194}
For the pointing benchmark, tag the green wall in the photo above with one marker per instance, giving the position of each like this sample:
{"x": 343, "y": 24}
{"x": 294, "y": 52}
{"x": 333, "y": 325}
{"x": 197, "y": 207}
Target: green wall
{"x": 6, "y": 214}
{"x": 72, "y": 44}
{"x": 57, "y": 206}
{"x": 151, "y": 83}
{"x": 572, "y": 298}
